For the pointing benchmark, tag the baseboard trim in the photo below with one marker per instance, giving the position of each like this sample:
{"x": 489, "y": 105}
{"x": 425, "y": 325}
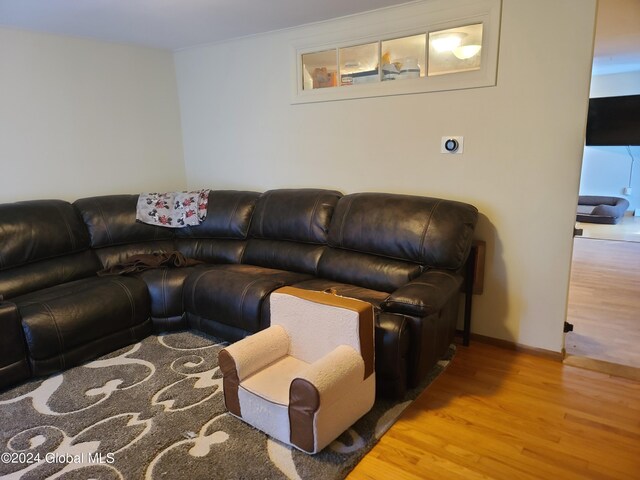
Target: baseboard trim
{"x": 509, "y": 345}
{"x": 613, "y": 369}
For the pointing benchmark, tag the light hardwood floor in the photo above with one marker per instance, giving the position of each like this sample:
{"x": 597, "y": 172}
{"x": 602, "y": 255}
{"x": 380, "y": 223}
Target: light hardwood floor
{"x": 628, "y": 229}
{"x": 604, "y": 301}
{"x": 501, "y": 414}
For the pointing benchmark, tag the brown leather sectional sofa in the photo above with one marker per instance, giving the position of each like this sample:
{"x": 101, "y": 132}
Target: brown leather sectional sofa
{"x": 404, "y": 254}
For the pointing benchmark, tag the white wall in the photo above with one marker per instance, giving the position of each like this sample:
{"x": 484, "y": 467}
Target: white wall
{"x": 523, "y": 147}
{"x": 613, "y": 85}
{"x": 606, "y": 170}
{"x": 80, "y": 117}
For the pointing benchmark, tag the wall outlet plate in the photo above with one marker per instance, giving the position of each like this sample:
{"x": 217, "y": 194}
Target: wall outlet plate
{"x": 626, "y": 191}
{"x": 452, "y": 144}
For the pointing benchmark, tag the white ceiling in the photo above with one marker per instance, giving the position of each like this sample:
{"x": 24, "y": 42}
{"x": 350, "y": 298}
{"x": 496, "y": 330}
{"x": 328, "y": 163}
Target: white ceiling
{"x": 173, "y": 24}
{"x": 177, "y": 24}
{"x": 617, "y": 45}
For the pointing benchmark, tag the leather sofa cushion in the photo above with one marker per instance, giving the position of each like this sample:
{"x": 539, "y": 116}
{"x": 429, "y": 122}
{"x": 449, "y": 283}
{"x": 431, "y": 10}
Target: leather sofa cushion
{"x": 111, "y": 220}
{"x": 58, "y": 319}
{"x": 228, "y": 216}
{"x": 90, "y": 350}
{"x": 38, "y": 230}
{"x": 297, "y": 257}
{"x": 234, "y": 295}
{"x": 47, "y": 273}
{"x": 110, "y": 256}
{"x": 165, "y": 287}
{"x": 374, "y": 297}
{"x": 368, "y": 271}
{"x": 301, "y": 215}
{"x": 211, "y": 250}
{"x": 255, "y": 271}
{"x": 429, "y": 231}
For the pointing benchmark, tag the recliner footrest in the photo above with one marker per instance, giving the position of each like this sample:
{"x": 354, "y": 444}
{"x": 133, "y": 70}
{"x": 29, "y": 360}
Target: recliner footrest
{"x": 76, "y": 321}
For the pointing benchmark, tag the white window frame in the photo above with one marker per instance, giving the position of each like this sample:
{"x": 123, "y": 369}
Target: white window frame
{"x": 409, "y": 19}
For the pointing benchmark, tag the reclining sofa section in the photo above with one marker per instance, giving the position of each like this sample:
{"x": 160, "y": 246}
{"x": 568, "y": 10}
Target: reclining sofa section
{"x": 403, "y": 254}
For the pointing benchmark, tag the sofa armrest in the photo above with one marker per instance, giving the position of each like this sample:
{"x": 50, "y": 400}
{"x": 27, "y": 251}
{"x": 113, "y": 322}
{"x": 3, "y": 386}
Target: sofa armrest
{"x": 425, "y": 295}
{"x": 254, "y": 352}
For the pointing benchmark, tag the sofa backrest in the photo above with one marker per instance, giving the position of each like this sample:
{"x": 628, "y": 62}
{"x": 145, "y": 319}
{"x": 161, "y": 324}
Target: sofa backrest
{"x": 289, "y": 228}
{"x": 42, "y": 243}
{"x": 433, "y": 232}
{"x": 114, "y": 232}
{"x": 373, "y": 240}
{"x": 381, "y": 241}
{"x": 364, "y": 270}
{"x": 221, "y": 238}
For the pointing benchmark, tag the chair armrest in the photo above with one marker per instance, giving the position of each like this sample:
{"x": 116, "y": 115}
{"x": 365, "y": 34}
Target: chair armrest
{"x": 327, "y": 397}
{"x": 328, "y": 379}
{"x": 254, "y": 352}
{"x": 425, "y": 295}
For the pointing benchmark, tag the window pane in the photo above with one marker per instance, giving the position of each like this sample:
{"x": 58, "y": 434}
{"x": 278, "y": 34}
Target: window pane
{"x": 455, "y": 50}
{"x": 403, "y": 57}
{"x": 319, "y": 70}
{"x": 359, "y": 64}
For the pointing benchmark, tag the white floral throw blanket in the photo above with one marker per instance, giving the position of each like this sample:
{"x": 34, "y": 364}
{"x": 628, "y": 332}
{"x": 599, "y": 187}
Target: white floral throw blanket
{"x": 173, "y": 209}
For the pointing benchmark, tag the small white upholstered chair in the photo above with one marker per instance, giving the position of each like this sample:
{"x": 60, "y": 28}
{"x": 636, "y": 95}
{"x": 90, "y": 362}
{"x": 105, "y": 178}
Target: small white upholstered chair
{"x": 310, "y": 375}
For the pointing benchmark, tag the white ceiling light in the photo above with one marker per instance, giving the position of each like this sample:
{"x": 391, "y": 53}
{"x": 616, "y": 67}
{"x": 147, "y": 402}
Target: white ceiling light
{"x": 466, "y": 51}
{"x": 446, "y": 42}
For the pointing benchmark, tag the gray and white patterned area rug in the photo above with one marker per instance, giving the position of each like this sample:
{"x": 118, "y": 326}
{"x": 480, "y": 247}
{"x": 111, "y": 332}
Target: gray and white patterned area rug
{"x": 154, "y": 410}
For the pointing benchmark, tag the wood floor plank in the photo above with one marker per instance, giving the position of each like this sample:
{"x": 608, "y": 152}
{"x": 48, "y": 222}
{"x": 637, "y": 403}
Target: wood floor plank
{"x": 604, "y": 301}
{"x": 627, "y": 230}
{"x": 524, "y": 400}
{"x": 502, "y": 414}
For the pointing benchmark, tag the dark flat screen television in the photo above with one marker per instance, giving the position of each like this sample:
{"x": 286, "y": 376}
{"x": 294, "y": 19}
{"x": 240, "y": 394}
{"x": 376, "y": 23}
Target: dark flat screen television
{"x": 614, "y": 121}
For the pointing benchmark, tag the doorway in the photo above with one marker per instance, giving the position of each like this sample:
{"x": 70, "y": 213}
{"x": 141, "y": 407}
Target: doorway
{"x": 604, "y": 299}
{"x": 604, "y": 290}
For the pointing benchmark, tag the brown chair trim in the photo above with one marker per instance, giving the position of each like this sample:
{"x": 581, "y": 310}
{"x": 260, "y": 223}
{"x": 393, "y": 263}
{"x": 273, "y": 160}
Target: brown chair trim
{"x": 230, "y": 382}
{"x": 367, "y": 346}
{"x": 304, "y": 401}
